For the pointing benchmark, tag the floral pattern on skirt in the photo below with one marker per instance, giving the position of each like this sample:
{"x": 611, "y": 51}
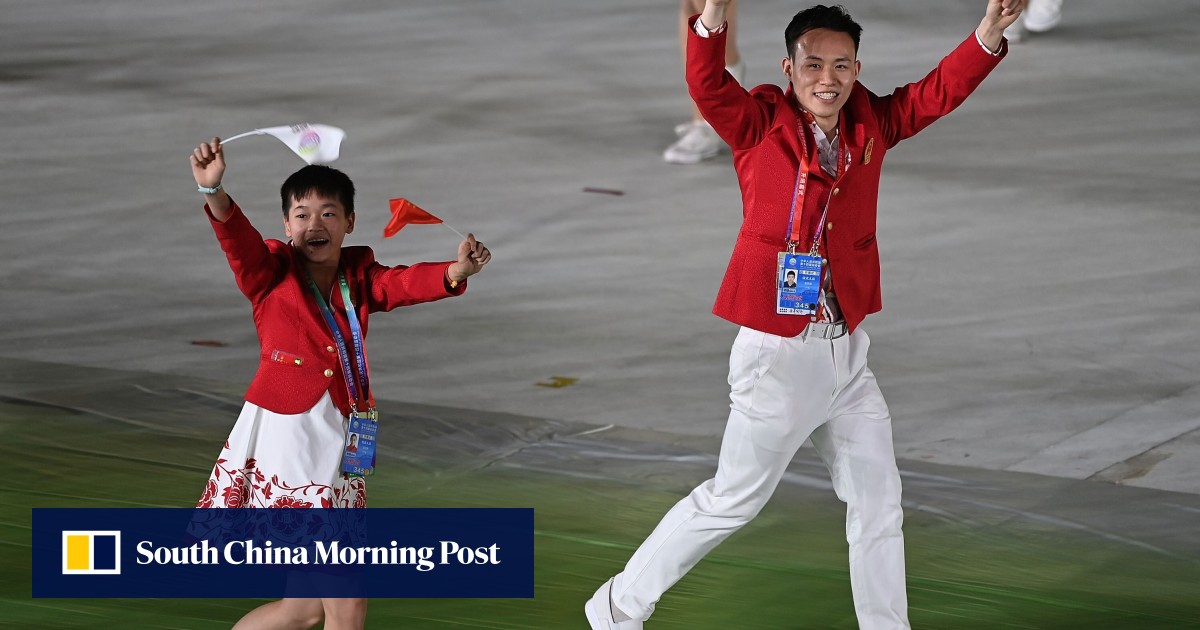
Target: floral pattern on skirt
{"x": 282, "y": 460}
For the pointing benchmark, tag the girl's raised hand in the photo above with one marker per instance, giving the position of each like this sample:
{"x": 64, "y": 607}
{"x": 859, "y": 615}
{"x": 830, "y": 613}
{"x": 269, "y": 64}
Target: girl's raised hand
{"x": 472, "y": 256}
{"x": 208, "y": 163}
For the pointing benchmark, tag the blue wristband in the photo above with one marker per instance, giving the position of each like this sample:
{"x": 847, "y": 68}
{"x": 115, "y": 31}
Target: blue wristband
{"x": 208, "y": 191}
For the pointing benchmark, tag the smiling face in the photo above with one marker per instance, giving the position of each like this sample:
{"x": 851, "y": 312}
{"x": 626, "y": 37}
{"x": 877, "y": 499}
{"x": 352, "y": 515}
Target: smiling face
{"x": 823, "y": 70}
{"x": 317, "y": 226}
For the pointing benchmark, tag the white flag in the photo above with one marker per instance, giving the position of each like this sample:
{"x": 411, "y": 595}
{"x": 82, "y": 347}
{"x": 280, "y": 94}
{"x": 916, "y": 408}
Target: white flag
{"x": 315, "y": 144}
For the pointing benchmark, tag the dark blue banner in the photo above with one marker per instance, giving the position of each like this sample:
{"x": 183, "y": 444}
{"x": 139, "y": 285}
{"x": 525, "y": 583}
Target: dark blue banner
{"x": 336, "y": 552}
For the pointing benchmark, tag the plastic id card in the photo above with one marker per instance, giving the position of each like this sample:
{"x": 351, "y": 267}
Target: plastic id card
{"x": 798, "y": 284}
{"x": 359, "y": 456}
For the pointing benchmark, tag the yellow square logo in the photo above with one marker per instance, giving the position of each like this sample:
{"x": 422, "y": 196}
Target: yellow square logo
{"x": 91, "y": 552}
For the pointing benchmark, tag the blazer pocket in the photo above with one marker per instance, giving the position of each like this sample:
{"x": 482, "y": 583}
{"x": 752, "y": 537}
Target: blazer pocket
{"x": 285, "y": 358}
{"x": 867, "y": 240}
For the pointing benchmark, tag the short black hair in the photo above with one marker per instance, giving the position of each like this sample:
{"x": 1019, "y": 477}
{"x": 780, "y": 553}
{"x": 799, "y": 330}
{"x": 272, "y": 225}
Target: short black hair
{"x": 321, "y": 179}
{"x": 820, "y": 16}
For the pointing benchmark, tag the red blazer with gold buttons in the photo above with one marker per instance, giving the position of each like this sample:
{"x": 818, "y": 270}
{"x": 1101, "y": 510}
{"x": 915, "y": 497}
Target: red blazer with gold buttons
{"x": 761, "y": 127}
{"x": 298, "y": 361}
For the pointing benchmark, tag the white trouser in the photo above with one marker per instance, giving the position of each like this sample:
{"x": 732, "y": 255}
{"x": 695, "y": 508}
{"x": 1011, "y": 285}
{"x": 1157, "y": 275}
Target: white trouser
{"x": 784, "y": 390}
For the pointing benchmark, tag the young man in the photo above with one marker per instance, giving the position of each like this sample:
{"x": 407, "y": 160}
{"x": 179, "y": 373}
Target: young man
{"x": 808, "y": 162}
{"x": 789, "y": 281}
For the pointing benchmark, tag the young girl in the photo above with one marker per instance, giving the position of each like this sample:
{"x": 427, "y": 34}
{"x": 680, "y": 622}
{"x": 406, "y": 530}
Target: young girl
{"x": 311, "y": 298}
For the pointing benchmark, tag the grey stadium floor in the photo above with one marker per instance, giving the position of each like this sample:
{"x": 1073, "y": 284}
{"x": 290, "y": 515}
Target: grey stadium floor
{"x": 1041, "y": 273}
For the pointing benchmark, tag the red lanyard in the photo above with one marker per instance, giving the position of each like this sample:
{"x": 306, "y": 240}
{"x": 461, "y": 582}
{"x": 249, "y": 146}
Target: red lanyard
{"x": 794, "y": 221}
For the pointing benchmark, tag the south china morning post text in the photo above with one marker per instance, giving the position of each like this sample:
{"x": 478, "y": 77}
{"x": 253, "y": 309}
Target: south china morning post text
{"x": 375, "y": 552}
{"x": 236, "y": 552}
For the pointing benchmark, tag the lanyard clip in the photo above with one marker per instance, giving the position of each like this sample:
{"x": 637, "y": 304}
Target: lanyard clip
{"x": 791, "y": 247}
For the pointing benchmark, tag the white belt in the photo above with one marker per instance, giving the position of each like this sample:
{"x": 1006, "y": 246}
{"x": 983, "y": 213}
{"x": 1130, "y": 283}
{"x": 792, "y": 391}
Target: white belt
{"x": 823, "y": 330}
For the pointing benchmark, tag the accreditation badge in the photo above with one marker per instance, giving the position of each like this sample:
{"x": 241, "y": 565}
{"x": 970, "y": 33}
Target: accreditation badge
{"x": 358, "y": 458}
{"x": 798, "y": 284}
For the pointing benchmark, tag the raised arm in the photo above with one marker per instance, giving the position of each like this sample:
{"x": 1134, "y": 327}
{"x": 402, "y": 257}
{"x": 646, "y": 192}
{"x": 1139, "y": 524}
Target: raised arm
{"x": 911, "y": 108}
{"x": 738, "y": 117}
{"x": 208, "y": 166}
{"x": 255, "y": 267}
{"x": 391, "y": 287}
{"x": 713, "y": 15}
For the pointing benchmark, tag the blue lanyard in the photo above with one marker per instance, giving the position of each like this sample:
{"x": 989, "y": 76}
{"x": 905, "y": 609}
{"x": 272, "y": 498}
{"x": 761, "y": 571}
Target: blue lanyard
{"x": 360, "y": 357}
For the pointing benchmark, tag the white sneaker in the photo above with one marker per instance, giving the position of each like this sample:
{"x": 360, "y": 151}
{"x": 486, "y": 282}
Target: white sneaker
{"x": 697, "y": 142}
{"x": 1042, "y": 15}
{"x": 599, "y": 611}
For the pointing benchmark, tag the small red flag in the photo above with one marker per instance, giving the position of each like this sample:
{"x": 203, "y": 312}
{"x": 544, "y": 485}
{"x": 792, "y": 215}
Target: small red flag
{"x": 405, "y": 212}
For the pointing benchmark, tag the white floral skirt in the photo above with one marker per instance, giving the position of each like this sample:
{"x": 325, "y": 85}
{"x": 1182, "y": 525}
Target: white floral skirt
{"x": 279, "y": 460}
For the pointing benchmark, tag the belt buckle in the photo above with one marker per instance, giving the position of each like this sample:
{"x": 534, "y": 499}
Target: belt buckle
{"x": 823, "y": 330}
{"x": 815, "y": 330}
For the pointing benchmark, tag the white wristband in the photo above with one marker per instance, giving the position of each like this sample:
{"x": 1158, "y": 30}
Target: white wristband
{"x": 208, "y": 191}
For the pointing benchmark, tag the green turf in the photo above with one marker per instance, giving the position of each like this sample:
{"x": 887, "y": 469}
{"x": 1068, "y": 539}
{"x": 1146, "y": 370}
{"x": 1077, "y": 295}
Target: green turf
{"x": 787, "y": 569}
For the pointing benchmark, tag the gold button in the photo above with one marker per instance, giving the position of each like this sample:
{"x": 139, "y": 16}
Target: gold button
{"x": 837, "y": 190}
{"x": 829, "y": 226}
{"x": 329, "y": 348}
{"x": 328, "y": 373}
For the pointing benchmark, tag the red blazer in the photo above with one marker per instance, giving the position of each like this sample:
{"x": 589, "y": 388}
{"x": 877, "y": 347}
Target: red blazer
{"x": 298, "y": 360}
{"x": 761, "y": 127}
